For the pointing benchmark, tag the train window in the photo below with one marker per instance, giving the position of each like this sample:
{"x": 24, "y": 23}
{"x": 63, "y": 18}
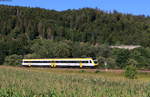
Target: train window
{"x": 36, "y": 61}
{"x": 27, "y": 61}
{"x": 90, "y": 61}
{"x": 85, "y": 62}
{"x": 95, "y": 61}
{"x": 67, "y": 61}
{"x": 57, "y": 61}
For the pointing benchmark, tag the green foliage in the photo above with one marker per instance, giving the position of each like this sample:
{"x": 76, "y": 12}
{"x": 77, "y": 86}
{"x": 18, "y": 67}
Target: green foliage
{"x": 13, "y": 60}
{"x": 62, "y": 50}
{"x": 130, "y": 72}
{"x": 83, "y": 50}
{"x": 33, "y": 55}
{"x": 3, "y": 52}
{"x": 132, "y": 62}
{"x": 37, "y": 82}
{"x": 40, "y": 33}
{"x": 104, "y": 51}
{"x": 97, "y": 71}
{"x": 43, "y": 48}
{"x": 111, "y": 62}
{"x": 141, "y": 56}
{"x": 122, "y": 57}
{"x": 100, "y": 60}
{"x": 84, "y": 25}
{"x": 48, "y": 48}
{"x": 82, "y": 71}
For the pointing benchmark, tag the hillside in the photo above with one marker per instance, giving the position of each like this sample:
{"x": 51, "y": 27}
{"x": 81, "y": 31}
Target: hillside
{"x": 40, "y": 33}
{"x": 83, "y": 25}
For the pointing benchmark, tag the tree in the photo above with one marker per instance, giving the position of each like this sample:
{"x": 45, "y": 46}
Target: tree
{"x": 132, "y": 62}
{"x": 13, "y": 60}
{"x": 62, "y": 50}
{"x": 43, "y": 48}
{"x": 104, "y": 51}
{"x": 3, "y": 51}
{"x": 122, "y": 57}
{"x": 101, "y": 61}
{"x": 130, "y": 70}
{"x": 49, "y": 49}
{"x": 111, "y": 63}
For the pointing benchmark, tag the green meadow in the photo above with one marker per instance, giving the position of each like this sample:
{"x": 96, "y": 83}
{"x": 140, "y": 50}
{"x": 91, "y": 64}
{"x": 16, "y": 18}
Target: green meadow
{"x": 48, "y": 82}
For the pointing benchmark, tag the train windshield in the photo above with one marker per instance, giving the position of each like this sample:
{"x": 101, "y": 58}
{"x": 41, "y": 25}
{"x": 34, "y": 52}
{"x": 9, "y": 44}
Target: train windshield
{"x": 95, "y": 61}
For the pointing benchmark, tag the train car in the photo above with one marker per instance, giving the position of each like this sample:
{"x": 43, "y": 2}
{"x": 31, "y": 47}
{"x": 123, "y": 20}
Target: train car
{"x": 60, "y": 62}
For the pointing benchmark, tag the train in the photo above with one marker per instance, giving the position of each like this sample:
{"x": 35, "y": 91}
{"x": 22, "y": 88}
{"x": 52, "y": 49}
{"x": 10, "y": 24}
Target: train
{"x": 60, "y": 62}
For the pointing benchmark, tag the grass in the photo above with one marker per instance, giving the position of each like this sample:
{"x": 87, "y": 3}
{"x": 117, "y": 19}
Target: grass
{"x": 45, "y": 82}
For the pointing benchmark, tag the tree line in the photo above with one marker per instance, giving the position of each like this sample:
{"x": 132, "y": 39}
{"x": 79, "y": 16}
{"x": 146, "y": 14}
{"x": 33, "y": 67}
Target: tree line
{"x": 43, "y": 48}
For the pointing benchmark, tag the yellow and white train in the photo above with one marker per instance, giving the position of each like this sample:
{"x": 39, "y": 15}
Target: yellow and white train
{"x": 60, "y": 62}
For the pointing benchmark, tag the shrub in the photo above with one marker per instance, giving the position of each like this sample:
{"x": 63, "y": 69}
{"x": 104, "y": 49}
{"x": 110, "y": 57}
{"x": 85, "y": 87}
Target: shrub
{"x": 130, "y": 72}
{"x": 97, "y": 71}
{"x": 111, "y": 63}
{"x": 33, "y": 55}
{"x": 13, "y": 60}
{"x": 100, "y": 61}
{"x": 82, "y": 71}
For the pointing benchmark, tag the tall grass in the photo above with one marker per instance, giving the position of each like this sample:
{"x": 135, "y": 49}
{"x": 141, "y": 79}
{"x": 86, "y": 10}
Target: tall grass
{"x": 38, "y": 83}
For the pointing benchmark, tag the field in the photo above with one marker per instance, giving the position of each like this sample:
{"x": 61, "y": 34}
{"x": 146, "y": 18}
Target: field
{"x": 48, "y": 82}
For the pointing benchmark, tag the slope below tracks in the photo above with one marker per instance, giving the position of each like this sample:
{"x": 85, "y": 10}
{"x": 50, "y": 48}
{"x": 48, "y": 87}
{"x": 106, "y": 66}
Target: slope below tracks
{"x": 70, "y": 69}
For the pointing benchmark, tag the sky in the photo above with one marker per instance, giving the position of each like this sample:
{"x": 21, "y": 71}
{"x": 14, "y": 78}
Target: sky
{"x": 135, "y": 7}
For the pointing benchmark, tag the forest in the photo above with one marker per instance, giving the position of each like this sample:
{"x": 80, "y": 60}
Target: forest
{"x": 40, "y": 33}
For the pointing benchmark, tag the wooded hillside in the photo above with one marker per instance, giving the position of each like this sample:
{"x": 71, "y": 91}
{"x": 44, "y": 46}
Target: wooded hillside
{"x": 23, "y": 30}
{"x": 83, "y": 25}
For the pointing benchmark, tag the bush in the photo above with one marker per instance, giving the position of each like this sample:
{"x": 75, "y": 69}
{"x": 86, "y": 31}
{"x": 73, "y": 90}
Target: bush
{"x": 30, "y": 56}
{"x": 130, "y": 72}
{"x": 82, "y": 71}
{"x": 13, "y": 60}
{"x": 97, "y": 71}
{"x": 100, "y": 61}
{"x": 111, "y": 63}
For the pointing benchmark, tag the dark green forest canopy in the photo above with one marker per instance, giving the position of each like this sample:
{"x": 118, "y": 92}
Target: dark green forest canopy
{"x": 83, "y": 25}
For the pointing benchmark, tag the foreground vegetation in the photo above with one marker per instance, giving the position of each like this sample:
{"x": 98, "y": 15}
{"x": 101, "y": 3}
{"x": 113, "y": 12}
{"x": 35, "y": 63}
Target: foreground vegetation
{"x": 45, "y": 82}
